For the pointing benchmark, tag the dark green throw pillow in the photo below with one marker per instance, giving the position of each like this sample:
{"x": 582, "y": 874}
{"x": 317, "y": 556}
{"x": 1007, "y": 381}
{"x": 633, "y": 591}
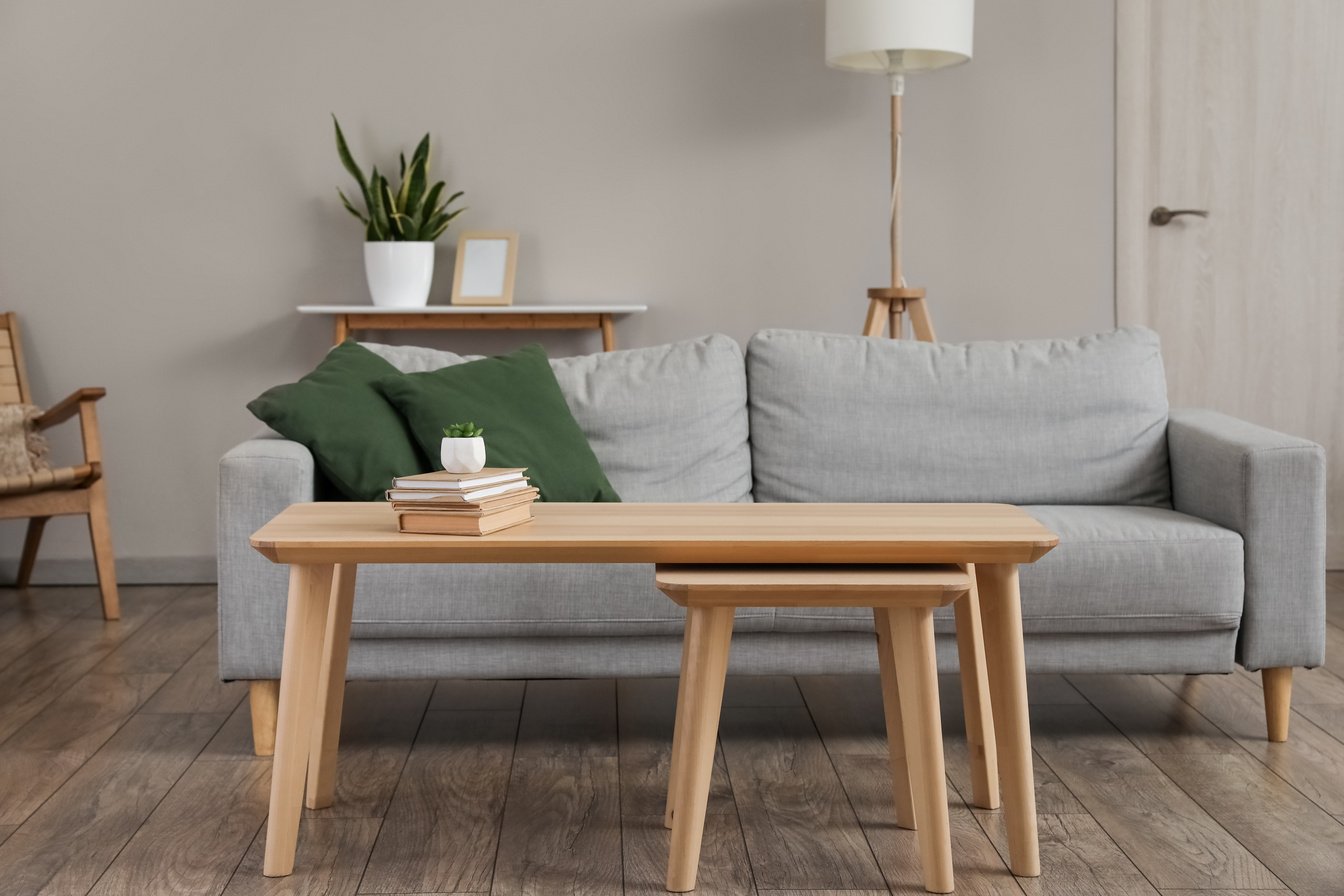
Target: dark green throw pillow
{"x": 358, "y": 440}
{"x": 517, "y": 401}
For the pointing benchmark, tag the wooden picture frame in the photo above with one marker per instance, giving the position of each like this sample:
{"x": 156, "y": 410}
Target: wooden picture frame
{"x": 486, "y": 260}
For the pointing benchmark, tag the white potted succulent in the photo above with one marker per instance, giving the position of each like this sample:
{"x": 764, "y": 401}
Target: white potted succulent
{"x": 463, "y": 448}
{"x": 400, "y": 226}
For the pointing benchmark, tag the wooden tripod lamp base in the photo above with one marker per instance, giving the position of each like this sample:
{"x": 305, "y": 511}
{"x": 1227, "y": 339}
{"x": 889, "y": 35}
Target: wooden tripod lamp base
{"x": 891, "y": 304}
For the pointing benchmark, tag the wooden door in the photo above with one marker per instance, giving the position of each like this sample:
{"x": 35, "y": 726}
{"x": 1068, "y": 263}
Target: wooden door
{"x": 1236, "y": 107}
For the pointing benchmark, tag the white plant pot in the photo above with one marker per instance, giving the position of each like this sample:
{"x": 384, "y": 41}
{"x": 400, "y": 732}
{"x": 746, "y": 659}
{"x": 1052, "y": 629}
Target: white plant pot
{"x": 462, "y": 455}
{"x": 399, "y": 274}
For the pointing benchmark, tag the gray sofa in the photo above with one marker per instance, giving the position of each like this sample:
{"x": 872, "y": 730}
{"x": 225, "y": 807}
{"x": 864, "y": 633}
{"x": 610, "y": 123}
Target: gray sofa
{"x": 1190, "y": 541}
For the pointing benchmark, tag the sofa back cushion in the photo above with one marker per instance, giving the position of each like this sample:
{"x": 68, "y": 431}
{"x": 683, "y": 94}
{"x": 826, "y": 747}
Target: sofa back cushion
{"x": 848, "y": 418}
{"x": 667, "y": 423}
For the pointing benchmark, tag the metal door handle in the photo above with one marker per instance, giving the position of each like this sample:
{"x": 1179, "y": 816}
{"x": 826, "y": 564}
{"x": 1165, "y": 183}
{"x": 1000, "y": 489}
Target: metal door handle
{"x": 1162, "y": 215}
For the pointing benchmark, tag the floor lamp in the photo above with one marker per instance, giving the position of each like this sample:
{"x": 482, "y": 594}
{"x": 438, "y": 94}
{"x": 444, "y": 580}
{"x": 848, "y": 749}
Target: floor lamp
{"x": 895, "y": 37}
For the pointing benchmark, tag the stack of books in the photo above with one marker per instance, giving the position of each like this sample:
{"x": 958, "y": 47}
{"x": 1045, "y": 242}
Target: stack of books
{"x": 462, "y": 503}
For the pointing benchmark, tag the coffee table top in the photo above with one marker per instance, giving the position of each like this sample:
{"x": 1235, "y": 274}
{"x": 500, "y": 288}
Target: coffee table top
{"x": 671, "y": 533}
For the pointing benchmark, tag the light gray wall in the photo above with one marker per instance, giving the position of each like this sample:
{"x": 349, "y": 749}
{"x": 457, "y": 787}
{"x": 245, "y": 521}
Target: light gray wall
{"x": 167, "y": 190}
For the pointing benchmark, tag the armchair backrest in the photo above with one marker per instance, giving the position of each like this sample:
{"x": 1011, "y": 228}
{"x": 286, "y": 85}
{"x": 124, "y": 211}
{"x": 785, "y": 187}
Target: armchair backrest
{"x": 13, "y": 378}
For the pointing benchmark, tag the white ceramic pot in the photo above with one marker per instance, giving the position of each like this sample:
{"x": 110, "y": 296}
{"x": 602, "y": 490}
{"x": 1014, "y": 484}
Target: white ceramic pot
{"x": 399, "y": 274}
{"x": 462, "y": 455}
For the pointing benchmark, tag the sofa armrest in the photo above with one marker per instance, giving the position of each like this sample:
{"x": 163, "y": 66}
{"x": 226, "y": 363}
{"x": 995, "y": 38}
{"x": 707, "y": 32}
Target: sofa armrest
{"x": 1270, "y": 488}
{"x": 257, "y": 480}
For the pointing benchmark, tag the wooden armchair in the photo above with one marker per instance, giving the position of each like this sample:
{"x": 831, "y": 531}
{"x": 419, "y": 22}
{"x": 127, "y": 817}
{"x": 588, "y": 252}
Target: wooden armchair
{"x": 68, "y": 490}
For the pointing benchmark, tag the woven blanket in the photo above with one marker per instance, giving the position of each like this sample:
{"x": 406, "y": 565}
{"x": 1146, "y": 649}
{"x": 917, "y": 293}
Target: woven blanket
{"x": 23, "y": 450}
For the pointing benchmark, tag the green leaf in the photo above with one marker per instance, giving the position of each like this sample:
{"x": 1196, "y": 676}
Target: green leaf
{"x": 402, "y": 156}
{"x": 378, "y": 211}
{"x": 415, "y": 186}
{"x": 391, "y": 208}
{"x": 428, "y": 207}
{"x": 350, "y": 208}
{"x": 422, "y": 151}
{"x": 348, "y": 160}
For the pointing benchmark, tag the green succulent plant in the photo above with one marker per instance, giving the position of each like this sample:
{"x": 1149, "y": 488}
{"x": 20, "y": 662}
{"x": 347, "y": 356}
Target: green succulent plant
{"x": 411, "y": 213}
{"x": 463, "y": 431}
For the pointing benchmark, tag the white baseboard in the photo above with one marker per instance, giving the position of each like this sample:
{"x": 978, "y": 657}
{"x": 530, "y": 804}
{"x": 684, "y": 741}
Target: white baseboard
{"x": 130, "y": 571}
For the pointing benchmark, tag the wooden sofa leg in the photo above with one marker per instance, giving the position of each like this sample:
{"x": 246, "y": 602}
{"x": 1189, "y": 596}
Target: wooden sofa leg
{"x": 34, "y": 538}
{"x": 1278, "y": 685}
{"x": 264, "y": 699}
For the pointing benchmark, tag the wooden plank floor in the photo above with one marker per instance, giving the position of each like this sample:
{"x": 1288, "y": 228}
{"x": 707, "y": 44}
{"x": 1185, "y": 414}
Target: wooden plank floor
{"x": 125, "y": 768}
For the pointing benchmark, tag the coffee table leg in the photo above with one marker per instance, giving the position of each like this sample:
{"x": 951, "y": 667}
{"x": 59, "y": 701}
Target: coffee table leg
{"x": 710, "y": 630}
{"x": 975, "y": 700}
{"x": 305, "y": 628}
{"x": 326, "y": 736}
{"x": 679, "y": 727}
{"x": 891, "y": 703}
{"x": 911, "y": 637}
{"x": 1001, "y": 610}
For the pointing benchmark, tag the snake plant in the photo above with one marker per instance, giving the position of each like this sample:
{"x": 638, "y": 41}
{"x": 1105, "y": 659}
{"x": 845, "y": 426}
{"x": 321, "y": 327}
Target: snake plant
{"x": 412, "y": 212}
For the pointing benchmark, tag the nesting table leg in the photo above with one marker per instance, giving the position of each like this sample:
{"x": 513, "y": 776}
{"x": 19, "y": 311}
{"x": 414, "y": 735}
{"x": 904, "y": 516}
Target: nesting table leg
{"x": 975, "y": 699}
{"x": 891, "y": 704}
{"x": 910, "y": 635}
{"x": 330, "y": 700}
{"x": 305, "y": 630}
{"x": 1001, "y": 608}
{"x": 709, "y": 632}
{"x": 679, "y": 727}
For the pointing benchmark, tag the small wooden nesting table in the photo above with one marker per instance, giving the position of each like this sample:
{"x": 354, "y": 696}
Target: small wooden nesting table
{"x": 323, "y": 544}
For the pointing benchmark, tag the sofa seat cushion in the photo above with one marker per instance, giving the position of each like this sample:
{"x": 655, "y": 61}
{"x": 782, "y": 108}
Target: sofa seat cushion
{"x": 1117, "y": 569}
{"x": 1051, "y": 421}
{"x": 667, "y": 423}
{"x": 518, "y": 600}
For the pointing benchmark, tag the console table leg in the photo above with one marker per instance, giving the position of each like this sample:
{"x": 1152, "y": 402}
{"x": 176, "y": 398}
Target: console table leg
{"x": 975, "y": 700}
{"x": 342, "y": 328}
{"x": 1001, "y": 609}
{"x": 891, "y": 704}
{"x": 305, "y": 628}
{"x": 711, "y": 630}
{"x": 608, "y": 333}
{"x": 911, "y": 636}
{"x": 330, "y": 699}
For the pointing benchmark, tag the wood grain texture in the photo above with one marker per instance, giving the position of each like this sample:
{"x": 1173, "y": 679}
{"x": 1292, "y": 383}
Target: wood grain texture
{"x": 761, "y": 690}
{"x": 476, "y": 694}
{"x": 1173, "y": 841}
{"x": 331, "y": 857}
{"x": 57, "y": 662}
{"x": 196, "y": 686}
{"x": 209, "y": 818}
{"x": 1077, "y": 858}
{"x": 561, "y": 831}
{"x": 800, "y": 829}
{"x": 441, "y": 831}
{"x": 49, "y": 749}
{"x": 1299, "y": 843}
{"x": 166, "y": 642}
{"x": 68, "y": 843}
{"x": 377, "y": 730}
{"x": 1311, "y": 760}
{"x": 1207, "y": 92}
{"x": 233, "y": 741}
{"x": 725, "y": 868}
{"x": 979, "y": 868}
{"x": 645, "y": 707}
{"x": 1154, "y": 717}
{"x": 366, "y": 532}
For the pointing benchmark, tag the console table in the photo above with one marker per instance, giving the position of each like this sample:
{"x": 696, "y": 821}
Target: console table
{"x": 478, "y": 317}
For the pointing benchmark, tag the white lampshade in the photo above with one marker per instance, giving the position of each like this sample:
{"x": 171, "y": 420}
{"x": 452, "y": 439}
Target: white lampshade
{"x": 898, "y": 36}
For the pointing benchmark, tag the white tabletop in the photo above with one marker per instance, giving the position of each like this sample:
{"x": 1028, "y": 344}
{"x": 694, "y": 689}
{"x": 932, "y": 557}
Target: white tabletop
{"x": 475, "y": 309}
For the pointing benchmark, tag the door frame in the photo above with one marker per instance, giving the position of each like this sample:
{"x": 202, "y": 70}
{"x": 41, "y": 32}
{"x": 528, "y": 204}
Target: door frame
{"x": 1132, "y": 148}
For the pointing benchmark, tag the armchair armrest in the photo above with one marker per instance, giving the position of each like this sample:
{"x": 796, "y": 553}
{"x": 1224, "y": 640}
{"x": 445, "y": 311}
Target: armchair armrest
{"x": 67, "y": 407}
{"x": 1270, "y": 488}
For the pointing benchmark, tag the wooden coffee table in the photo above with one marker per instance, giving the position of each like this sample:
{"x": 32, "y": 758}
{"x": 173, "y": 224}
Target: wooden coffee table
{"x": 323, "y": 544}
